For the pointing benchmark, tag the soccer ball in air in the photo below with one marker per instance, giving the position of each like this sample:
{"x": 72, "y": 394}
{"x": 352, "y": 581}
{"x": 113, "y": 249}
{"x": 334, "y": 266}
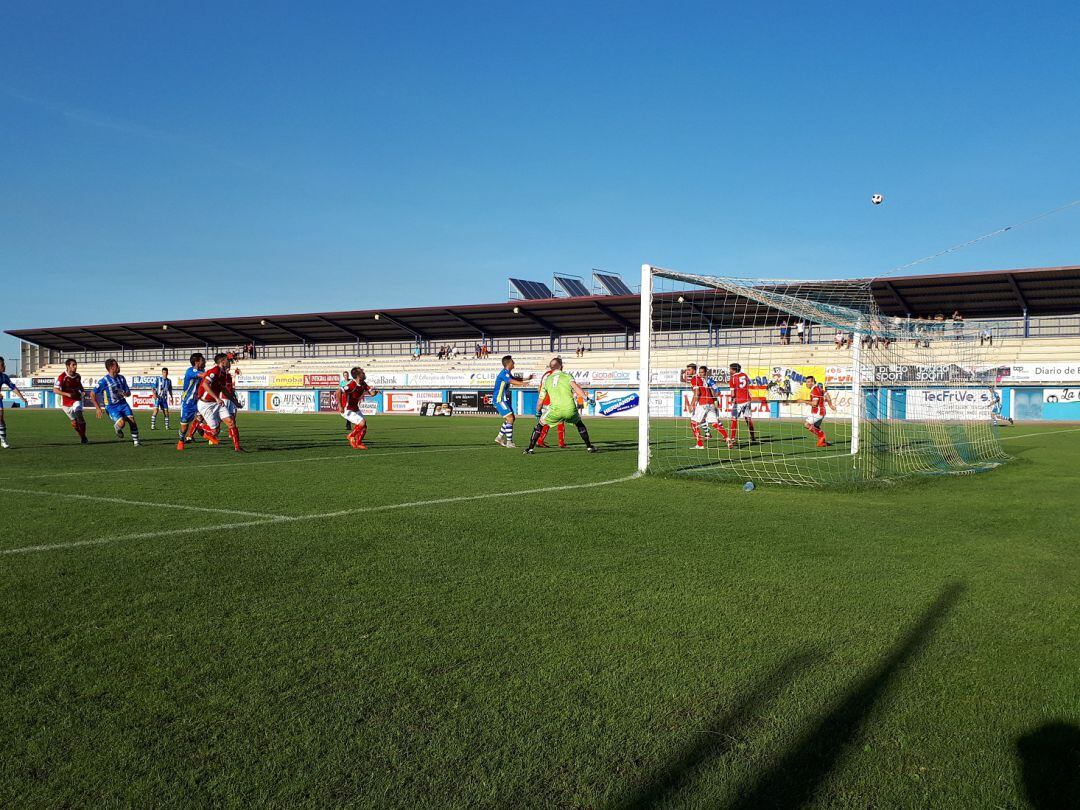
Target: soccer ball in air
{"x": 877, "y": 199}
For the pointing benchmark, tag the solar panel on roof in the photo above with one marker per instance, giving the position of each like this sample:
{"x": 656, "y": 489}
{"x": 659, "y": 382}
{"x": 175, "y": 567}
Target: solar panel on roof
{"x": 573, "y": 287}
{"x": 531, "y": 290}
{"x": 612, "y": 284}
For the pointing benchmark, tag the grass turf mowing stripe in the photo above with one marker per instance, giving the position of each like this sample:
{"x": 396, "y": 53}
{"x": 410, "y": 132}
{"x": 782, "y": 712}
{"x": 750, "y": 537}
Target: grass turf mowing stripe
{"x": 173, "y": 467}
{"x": 297, "y": 518}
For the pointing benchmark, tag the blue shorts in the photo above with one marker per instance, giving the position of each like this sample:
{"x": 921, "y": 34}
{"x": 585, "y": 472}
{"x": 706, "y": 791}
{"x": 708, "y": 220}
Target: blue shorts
{"x": 118, "y": 411}
{"x": 162, "y": 403}
{"x": 503, "y": 409}
{"x": 188, "y": 410}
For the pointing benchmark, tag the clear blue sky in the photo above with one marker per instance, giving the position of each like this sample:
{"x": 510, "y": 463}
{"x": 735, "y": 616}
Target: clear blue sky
{"x": 167, "y": 160}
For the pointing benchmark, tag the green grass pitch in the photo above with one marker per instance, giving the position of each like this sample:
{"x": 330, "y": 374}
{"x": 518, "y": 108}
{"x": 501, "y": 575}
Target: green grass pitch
{"x": 348, "y": 629}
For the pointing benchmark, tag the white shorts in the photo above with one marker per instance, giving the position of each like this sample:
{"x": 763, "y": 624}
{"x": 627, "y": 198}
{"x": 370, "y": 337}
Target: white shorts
{"x": 212, "y": 413}
{"x": 74, "y": 412}
{"x": 705, "y": 413}
{"x": 815, "y": 419}
{"x": 229, "y": 409}
{"x": 353, "y": 417}
{"x": 740, "y": 410}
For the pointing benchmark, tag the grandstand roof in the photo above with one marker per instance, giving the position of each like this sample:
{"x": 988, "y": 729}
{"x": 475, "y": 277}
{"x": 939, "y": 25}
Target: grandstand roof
{"x": 997, "y": 293}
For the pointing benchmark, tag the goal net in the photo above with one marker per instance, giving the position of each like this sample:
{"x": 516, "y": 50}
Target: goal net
{"x": 807, "y": 383}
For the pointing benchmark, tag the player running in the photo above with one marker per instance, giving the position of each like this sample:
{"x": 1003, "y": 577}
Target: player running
{"x": 6, "y": 380}
{"x": 162, "y": 392}
{"x": 819, "y": 398}
{"x": 213, "y": 401}
{"x": 543, "y": 405}
{"x": 703, "y": 408}
{"x": 741, "y": 403}
{"x": 189, "y": 399}
{"x": 69, "y": 388}
{"x": 500, "y": 398}
{"x": 995, "y": 408}
{"x": 113, "y": 387}
{"x": 564, "y": 393}
{"x": 349, "y": 399}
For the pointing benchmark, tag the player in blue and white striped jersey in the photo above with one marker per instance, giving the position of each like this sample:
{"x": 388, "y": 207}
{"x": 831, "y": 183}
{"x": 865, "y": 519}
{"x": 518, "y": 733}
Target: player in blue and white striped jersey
{"x": 6, "y": 380}
{"x": 113, "y": 389}
{"x": 162, "y": 392}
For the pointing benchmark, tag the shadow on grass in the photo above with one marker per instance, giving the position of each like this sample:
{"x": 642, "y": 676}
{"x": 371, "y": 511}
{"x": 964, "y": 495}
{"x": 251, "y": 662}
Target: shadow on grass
{"x": 794, "y": 779}
{"x": 720, "y": 738}
{"x": 1050, "y": 763}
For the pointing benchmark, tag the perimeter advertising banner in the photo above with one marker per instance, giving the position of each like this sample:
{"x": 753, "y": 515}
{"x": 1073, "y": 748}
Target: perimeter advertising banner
{"x": 627, "y": 403}
{"x": 290, "y": 401}
{"x": 288, "y": 380}
{"x": 409, "y": 401}
{"x": 321, "y": 380}
{"x": 1061, "y": 395}
{"x": 465, "y": 401}
{"x": 252, "y": 380}
{"x": 1041, "y": 372}
{"x": 948, "y": 403}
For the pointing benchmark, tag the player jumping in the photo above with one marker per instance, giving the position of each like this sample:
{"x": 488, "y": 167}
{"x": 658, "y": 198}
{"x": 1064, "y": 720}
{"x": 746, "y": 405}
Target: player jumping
{"x": 544, "y": 403}
{"x": 703, "y": 408}
{"x": 69, "y": 388}
{"x": 501, "y": 399}
{"x": 819, "y": 398}
{"x": 189, "y": 399}
{"x": 162, "y": 392}
{"x": 739, "y": 384}
{"x": 564, "y": 393}
{"x": 6, "y": 380}
{"x": 114, "y": 388}
{"x": 349, "y": 399}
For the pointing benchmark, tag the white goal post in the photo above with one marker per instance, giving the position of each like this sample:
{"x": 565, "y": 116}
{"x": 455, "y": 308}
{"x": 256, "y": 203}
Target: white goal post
{"x": 827, "y": 388}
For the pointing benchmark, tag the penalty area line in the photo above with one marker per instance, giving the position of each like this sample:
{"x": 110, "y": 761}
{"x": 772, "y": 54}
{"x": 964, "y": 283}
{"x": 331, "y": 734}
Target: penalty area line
{"x": 240, "y": 464}
{"x": 126, "y": 502}
{"x": 1033, "y": 435}
{"x": 280, "y": 519}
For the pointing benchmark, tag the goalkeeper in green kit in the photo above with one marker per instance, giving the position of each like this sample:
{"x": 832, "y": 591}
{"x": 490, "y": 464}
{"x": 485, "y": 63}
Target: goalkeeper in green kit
{"x": 563, "y": 393}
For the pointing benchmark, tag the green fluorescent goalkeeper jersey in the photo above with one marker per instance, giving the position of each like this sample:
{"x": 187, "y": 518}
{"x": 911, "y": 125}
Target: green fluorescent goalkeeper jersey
{"x": 557, "y": 386}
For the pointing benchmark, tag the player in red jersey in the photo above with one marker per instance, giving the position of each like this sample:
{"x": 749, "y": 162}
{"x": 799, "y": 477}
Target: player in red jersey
{"x": 545, "y": 402}
{"x": 703, "y": 408}
{"x": 819, "y": 398}
{"x": 214, "y": 403}
{"x": 741, "y": 403}
{"x": 69, "y": 388}
{"x": 349, "y": 399}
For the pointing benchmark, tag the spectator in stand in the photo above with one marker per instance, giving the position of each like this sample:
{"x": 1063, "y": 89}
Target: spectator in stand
{"x": 785, "y": 333}
{"x": 581, "y": 350}
{"x": 800, "y": 330}
{"x": 416, "y": 352}
{"x": 958, "y": 324}
{"x": 987, "y": 334}
{"x": 841, "y": 339}
{"x": 477, "y": 350}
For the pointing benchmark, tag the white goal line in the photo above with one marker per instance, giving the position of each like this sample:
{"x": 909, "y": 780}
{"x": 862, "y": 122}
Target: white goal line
{"x": 267, "y": 520}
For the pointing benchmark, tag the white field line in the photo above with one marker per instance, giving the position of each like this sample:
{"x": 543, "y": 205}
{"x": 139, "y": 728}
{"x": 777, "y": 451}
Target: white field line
{"x": 1032, "y": 435}
{"x": 229, "y": 465}
{"x": 124, "y": 501}
{"x": 272, "y": 519}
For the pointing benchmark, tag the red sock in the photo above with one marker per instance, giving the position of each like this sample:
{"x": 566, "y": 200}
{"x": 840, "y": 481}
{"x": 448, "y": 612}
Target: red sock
{"x": 78, "y": 428}
{"x": 697, "y": 432}
{"x": 816, "y": 431}
{"x": 734, "y": 431}
{"x": 206, "y": 431}
{"x": 750, "y": 425}
{"x": 234, "y": 434}
{"x": 543, "y": 433}
{"x": 720, "y": 429}
{"x": 562, "y": 433}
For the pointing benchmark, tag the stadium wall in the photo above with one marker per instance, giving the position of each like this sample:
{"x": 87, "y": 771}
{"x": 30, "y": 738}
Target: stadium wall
{"x": 1023, "y": 403}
